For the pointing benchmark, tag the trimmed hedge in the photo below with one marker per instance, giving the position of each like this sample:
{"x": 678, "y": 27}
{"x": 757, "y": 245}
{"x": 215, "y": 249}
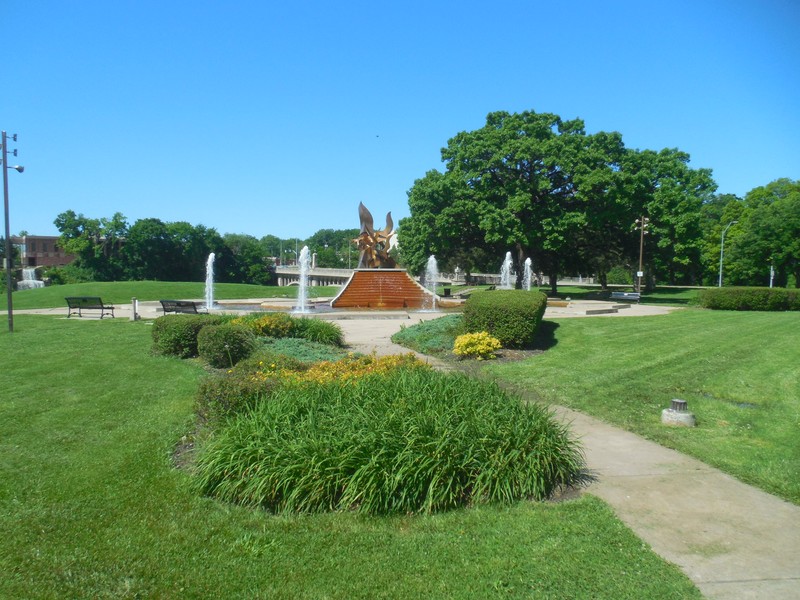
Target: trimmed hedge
{"x": 512, "y": 316}
{"x": 176, "y": 335}
{"x": 750, "y": 298}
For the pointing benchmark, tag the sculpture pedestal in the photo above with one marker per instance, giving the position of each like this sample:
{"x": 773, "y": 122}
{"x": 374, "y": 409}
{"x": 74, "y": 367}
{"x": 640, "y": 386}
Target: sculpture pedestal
{"x": 382, "y": 288}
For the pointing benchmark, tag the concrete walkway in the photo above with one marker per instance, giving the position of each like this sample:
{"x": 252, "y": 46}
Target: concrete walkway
{"x": 732, "y": 540}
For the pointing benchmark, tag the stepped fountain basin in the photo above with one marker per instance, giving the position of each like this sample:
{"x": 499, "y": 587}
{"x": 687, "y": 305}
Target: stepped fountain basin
{"x": 385, "y": 289}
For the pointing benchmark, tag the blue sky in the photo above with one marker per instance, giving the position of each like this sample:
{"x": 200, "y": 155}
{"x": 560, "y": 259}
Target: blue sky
{"x": 275, "y": 118}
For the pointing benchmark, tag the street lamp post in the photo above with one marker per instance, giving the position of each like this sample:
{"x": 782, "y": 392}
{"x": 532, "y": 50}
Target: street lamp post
{"x": 642, "y": 224}
{"x": 9, "y": 260}
{"x": 722, "y": 251}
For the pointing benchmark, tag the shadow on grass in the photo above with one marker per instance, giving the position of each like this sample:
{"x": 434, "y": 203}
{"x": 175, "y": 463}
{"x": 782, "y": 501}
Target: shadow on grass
{"x": 545, "y": 336}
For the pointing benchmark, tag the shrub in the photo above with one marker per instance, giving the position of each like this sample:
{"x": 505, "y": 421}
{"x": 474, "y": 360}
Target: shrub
{"x": 744, "y": 298}
{"x": 619, "y": 275}
{"x": 512, "y": 316}
{"x": 316, "y": 330}
{"x": 274, "y": 324}
{"x": 476, "y": 345}
{"x": 408, "y": 440}
{"x": 221, "y": 395}
{"x": 176, "y": 335}
{"x": 225, "y": 345}
{"x": 349, "y": 369}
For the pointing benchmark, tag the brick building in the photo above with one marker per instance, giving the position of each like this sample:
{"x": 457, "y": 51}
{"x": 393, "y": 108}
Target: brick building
{"x": 40, "y": 251}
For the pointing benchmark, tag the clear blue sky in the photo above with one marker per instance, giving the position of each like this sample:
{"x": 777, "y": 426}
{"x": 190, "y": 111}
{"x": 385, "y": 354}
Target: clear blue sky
{"x": 278, "y": 118}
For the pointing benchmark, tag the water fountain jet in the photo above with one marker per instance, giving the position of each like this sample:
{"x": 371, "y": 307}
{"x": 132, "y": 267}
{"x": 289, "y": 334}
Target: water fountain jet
{"x": 505, "y": 273}
{"x": 527, "y": 275}
{"x": 304, "y": 262}
{"x": 431, "y": 279}
{"x": 209, "y": 291}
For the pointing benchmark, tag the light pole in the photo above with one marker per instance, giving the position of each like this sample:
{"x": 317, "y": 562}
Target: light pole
{"x": 722, "y": 250}
{"x": 9, "y": 259}
{"x": 642, "y": 223}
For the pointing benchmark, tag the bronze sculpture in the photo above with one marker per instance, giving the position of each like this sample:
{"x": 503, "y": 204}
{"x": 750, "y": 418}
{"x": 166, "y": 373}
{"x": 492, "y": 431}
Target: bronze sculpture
{"x": 374, "y": 245}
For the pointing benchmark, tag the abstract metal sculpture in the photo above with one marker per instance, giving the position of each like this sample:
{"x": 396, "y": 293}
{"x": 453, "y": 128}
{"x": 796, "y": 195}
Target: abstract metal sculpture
{"x": 374, "y": 245}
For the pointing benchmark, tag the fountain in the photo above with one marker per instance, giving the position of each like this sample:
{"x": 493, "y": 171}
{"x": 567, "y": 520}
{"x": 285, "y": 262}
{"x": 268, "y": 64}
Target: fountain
{"x": 526, "y": 275}
{"x": 377, "y": 283}
{"x": 305, "y": 265}
{"x": 210, "y": 282}
{"x": 29, "y": 281}
{"x": 505, "y": 273}
{"x": 431, "y": 279}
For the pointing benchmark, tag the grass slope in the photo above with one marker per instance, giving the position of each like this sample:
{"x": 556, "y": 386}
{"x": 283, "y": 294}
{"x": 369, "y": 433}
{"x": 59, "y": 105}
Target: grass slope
{"x": 739, "y": 372}
{"x": 90, "y": 506}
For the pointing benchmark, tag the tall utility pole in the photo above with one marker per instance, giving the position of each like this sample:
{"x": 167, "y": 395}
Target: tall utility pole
{"x": 9, "y": 257}
{"x": 722, "y": 251}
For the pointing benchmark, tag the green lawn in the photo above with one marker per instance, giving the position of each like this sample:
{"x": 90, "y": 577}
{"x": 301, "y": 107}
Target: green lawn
{"x": 92, "y": 507}
{"x": 670, "y": 296}
{"x": 121, "y": 292}
{"x": 738, "y": 371}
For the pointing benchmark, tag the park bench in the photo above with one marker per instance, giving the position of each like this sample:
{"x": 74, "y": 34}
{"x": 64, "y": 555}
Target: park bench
{"x": 77, "y": 304}
{"x": 180, "y": 306}
{"x": 627, "y": 296}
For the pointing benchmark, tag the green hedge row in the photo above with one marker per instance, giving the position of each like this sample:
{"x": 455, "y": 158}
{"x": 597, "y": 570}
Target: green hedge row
{"x": 512, "y": 316}
{"x": 224, "y": 340}
{"x": 176, "y": 335}
{"x": 750, "y": 298}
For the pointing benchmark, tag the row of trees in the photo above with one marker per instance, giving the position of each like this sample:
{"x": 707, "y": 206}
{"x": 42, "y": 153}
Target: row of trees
{"x": 543, "y": 188}
{"x": 108, "y": 249}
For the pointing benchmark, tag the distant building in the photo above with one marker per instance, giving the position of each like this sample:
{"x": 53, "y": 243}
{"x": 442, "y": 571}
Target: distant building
{"x": 41, "y": 251}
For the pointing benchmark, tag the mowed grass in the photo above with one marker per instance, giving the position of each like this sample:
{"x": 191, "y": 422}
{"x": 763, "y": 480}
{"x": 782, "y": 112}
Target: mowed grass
{"x": 738, "y": 371}
{"x": 92, "y": 507}
{"x": 669, "y": 296}
{"x": 121, "y": 292}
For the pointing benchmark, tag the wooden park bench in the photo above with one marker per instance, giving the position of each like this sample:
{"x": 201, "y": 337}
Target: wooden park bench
{"x": 181, "y": 306}
{"x": 627, "y": 296}
{"x": 77, "y": 304}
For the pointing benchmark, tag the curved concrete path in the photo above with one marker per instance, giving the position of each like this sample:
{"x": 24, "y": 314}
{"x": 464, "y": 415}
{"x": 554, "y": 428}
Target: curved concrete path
{"x": 732, "y": 540}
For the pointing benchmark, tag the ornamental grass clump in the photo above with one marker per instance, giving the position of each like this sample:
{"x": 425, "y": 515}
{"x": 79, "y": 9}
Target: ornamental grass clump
{"x": 222, "y": 346}
{"x": 282, "y": 325}
{"x": 480, "y": 346}
{"x": 274, "y": 324}
{"x": 407, "y": 440}
{"x": 319, "y": 331}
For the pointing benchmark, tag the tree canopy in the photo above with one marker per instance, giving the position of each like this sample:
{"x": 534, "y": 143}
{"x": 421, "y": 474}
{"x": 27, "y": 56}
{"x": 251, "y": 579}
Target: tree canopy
{"x": 543, "y": 188}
